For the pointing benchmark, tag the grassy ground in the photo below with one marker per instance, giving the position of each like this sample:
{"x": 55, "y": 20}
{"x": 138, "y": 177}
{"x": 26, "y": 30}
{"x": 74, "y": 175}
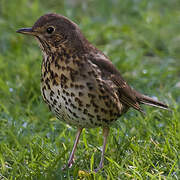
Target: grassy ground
{"x": 142, "y": 39}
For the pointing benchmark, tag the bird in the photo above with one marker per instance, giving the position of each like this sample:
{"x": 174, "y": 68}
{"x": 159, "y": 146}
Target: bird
{"x": 79, "y": 83}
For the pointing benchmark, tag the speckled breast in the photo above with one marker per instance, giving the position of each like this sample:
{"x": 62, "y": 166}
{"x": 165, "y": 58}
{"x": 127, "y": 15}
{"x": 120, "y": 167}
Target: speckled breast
{"x": 75, "y": 93}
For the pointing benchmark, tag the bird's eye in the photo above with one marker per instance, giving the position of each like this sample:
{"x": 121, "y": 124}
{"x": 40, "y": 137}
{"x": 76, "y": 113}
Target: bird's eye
{"x": 50, "y": 30}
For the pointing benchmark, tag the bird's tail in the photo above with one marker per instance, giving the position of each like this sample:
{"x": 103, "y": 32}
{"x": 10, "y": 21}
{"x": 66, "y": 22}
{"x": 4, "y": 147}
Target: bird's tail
{"x": 150, "y": 101}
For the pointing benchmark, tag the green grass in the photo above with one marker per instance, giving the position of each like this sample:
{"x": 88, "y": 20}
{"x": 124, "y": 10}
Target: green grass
{"x": 143, "y": 41}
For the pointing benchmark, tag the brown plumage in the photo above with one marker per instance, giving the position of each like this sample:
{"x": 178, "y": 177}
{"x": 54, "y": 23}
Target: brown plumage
{"x": 78, "y": 82}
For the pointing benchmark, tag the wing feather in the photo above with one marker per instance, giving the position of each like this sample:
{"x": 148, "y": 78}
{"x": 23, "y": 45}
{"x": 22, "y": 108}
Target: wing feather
{"x": 109, "y": 71}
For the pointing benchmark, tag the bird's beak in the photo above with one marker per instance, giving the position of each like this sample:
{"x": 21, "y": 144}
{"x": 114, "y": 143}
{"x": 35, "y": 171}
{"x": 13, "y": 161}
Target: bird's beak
{"x": 28, "y": 31}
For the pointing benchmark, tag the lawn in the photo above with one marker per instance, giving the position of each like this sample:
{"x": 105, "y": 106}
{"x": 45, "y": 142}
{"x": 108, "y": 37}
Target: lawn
{"x": 142, "y": 38}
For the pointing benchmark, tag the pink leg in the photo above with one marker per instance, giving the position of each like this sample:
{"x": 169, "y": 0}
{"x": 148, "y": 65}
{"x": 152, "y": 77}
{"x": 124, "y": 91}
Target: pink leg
{"x": 70, "y": 161}
{"x": 105, "y": 134}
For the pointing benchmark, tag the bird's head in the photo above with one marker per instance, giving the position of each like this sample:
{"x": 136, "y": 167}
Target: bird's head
{"x": 54, "y": 31}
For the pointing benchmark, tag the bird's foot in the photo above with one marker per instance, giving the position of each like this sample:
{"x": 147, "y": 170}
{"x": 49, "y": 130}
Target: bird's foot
{"x": 68, "y": 165}
{"x": 96, "y": 170}
{"x": 99, "y": 168}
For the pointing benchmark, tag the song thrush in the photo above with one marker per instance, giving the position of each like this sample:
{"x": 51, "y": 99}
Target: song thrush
{"x": 78, "y": 82}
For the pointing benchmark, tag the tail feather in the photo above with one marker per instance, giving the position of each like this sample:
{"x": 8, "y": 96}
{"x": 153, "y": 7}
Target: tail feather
{"x": 150, "y": 101}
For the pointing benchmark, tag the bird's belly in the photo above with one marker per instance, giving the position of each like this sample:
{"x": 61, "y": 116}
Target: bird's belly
{"x": 77, "y": 108}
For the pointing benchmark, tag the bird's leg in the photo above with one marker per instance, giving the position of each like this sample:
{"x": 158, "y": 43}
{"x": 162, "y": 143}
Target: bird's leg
{"x": 70, "y": 161}
{"x": 105, "y": 135}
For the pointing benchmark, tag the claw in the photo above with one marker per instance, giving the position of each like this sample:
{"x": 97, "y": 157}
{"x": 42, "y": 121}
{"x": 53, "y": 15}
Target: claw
{"x": 69, "y": 165}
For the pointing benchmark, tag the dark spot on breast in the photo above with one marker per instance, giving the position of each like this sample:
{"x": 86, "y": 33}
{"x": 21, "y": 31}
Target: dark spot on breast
{"x": 116, "y": 114}
{"x": 68, "y": 68}
{"x": 90, "y": 88}
{"x": 55, "y": 83}
{"x": 79, "y": 64}
{"x": 57, "y": 109}
{"x": 68, "y": 59}
{"x": 74, "y": 56}
{"x": 105, "y": 120}
{"x": 64, "y": 79}
{"x": 103, "y": 110}
{"x": 105, "y": 97}
{"x": 91, "y": 120}
{"x": 107, "y": 104}
{"x": 96, "y": 110}
{"x": 73, "y": 74}
{"x": 78, "y": 101}
{"x": 72, "y": 94}
{"x": 70, "y": 110}
{"x": 98, "y": 117}
{"x": 71, "y": 85}
{"x": 69, "y": 116}
{"x": 75, "y": 115}
{"x": 80, "y": 94}
{"x": 76, "y": 86}
{"x": 90, "y": 115}
{"x": 83, "y": 118}
{"x": 81, "y": 86}
{"x": 94, "y": 104}
{"x": 52, "y": 105}
{"x": 74, "y": 107}
{"x": 88, "y": 105}
{"x": 91, "y": 95}
{"x": 48, "y": 64}
{"x": 43, "y": 92}
{"x": 102, "y": 91}
{"x": 89, "y": 85}
{"x": 64, "y": 98}
{"x": 66, "y": 54}
{"x": 57, "y": 112}
{"x": 83, "y": 75}
{"x": 57, "y": 65}
{"x": 101, "y": 85}
{"x": 52, "y": 74}
{"x": 54, "y": 102}
{"x": 49, "y": 107}
{"x": 111, "y": 112}
{"x": 65, "y": 86}
{"x": 85, "y": 111}
{"x": 90, "y": 73}
{"x": 47, "y": 83}
{"x": 63, "y": 68}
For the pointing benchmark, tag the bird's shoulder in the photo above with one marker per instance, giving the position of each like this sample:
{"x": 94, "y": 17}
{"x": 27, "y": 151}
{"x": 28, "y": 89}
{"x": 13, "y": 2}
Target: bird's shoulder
{"x": 109, "y": 72}
{"x": 107, "y": 68}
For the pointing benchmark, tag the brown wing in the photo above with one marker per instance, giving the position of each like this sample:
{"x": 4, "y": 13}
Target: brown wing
{"x": 109, "y": 71}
